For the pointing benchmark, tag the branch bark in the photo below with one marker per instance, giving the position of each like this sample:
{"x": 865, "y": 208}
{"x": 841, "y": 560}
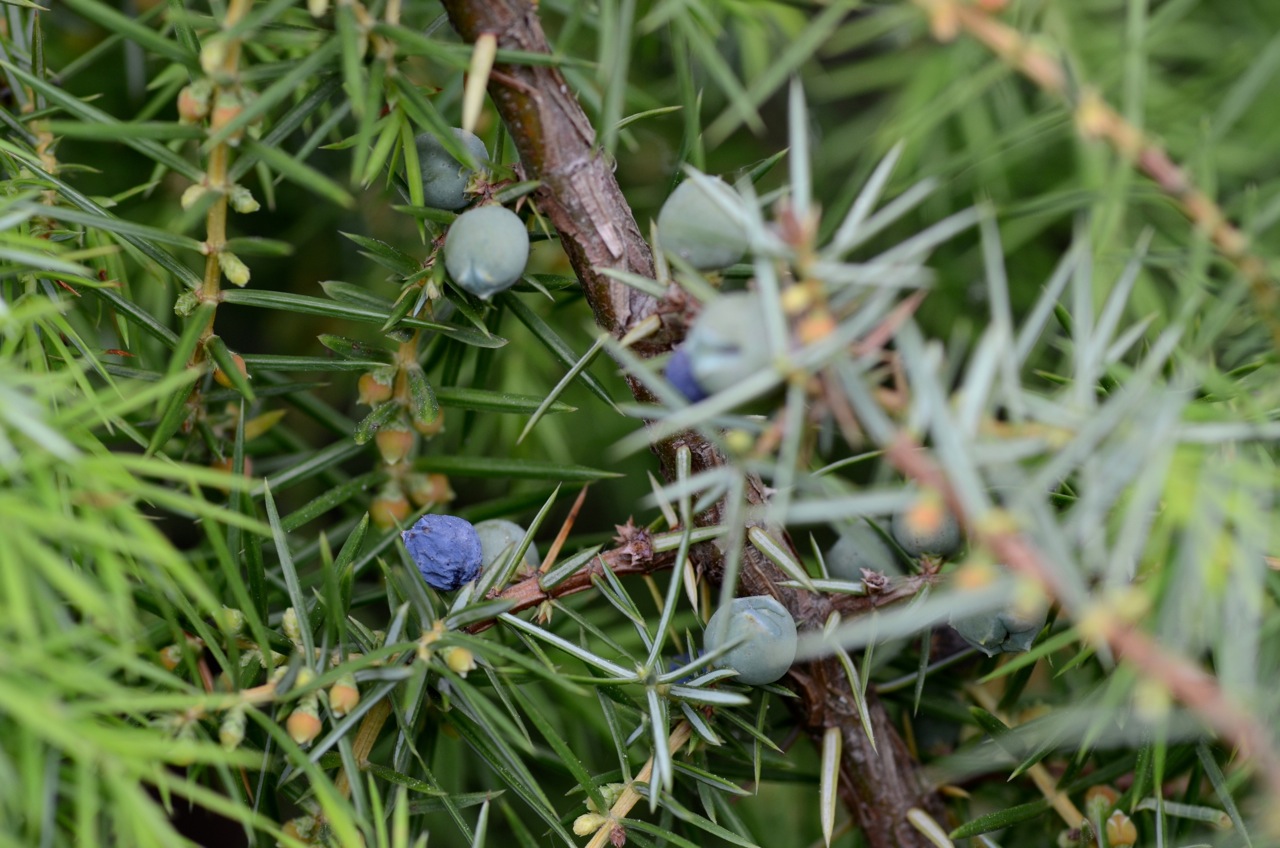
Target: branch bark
{"x": 597, "y": 229}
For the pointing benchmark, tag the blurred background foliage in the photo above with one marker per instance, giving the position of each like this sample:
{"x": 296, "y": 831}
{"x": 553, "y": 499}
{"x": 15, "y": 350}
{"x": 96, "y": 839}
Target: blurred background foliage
{"x": 119, "y": 553}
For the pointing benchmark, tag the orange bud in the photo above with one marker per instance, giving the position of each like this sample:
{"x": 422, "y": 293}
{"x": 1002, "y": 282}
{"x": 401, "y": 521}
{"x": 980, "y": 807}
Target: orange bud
{"x": 220, "y": 377}
{"x": 427, "y": 489}
{"x": 430, "y": 428}
{"x": 303, "y": 724}
{"x": 375, "y": 387}
{"x": 394, "y": 443}
{"x": 224, "y": 465}
{"x": 193, "y": 103}
{"x": 344, "y": 696}
{"x": 1121, "y": 831}
{"x": 388, "y": 510}
{"x": 170, "y": 656}
{"x": 815, "y": 327}
{"x": 226, "y": 109}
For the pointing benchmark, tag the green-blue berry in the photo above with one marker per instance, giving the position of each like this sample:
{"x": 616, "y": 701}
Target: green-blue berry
{"x": 766, "y": 637}
{"x": 695, "y": 227}
{"x": 1009, "y": 630}
{"x": 860, "y": 547}
{"x": 499, "y": 537}
{"x": 728, "y": 342}
{"x": 926, "y": 528}
{"x": 486, "y": 250}
{"x": 444, "y": 179}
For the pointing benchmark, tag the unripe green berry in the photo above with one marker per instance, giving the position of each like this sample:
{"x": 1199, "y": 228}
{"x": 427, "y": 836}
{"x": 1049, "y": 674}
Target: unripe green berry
{"x": 859, "y": 547}
{"x": 927, "y": 527}
{"x": 727, "y": 343}
{"x": 444, "y": 179}
{"x": 1010, "y": 630}
{"x": 695, "y": 227}
{"x": 486, "y": 250}
{"x": 499, "y": 537}
{"x": 765, "y": 634}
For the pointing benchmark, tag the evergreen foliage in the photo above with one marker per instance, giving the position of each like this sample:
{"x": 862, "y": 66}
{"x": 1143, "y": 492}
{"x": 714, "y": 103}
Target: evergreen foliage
{"x": 1016, "y": 266}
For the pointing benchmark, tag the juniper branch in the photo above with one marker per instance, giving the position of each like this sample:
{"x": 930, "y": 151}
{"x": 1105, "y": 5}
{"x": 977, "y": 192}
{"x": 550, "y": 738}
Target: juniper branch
{"x": 581, "y": 197}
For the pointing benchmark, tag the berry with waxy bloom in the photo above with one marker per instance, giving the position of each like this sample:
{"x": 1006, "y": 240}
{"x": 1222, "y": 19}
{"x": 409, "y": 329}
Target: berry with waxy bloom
{"x": 446, "y": 549}
{"x": 765, "y": 634}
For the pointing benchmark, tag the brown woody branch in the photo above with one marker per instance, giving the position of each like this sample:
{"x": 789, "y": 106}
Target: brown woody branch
{"x": 597, "y": 229}
{"x": 530, "y": 592}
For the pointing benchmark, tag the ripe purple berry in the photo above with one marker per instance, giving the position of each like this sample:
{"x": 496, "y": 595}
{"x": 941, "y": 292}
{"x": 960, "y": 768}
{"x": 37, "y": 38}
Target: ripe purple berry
{"x": 679, "y": 374}
{"x": 446, "y": 550}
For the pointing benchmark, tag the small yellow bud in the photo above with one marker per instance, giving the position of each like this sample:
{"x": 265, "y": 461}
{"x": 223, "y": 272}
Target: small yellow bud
{"x": 242, "y": 200}
{"x": 232, "y": 618}
{"x": 289, "y": 624}
{"x": 739, "y": 441}
{"x": 1098, "y": 801}
{"x": 394, "y": 442}
{"x": 302, "y": 829}
{"x": 460, "y": 660}
{"x": 796, "y": 299}
{"x": 432, "y": 427}
{"x": 212, "y": 54}
{"x": 231, "y": 732}
{"x": 588, "y": 823}
{"x": 192, "y": 195}
{"x": 1121, "y": 831}
{"x": 317, "y": 8}
{"x": 170, "y": 656}
{"x": 236, "y": 271}
{"x": 424, "y": 489}
{"x": 389, "y": 508}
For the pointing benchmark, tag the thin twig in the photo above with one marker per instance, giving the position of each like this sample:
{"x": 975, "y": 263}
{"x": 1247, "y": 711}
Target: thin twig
{"x": 629, "y": 796}
{"x": 1181, "y": 677}
{"x": 1095, "y": 118}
